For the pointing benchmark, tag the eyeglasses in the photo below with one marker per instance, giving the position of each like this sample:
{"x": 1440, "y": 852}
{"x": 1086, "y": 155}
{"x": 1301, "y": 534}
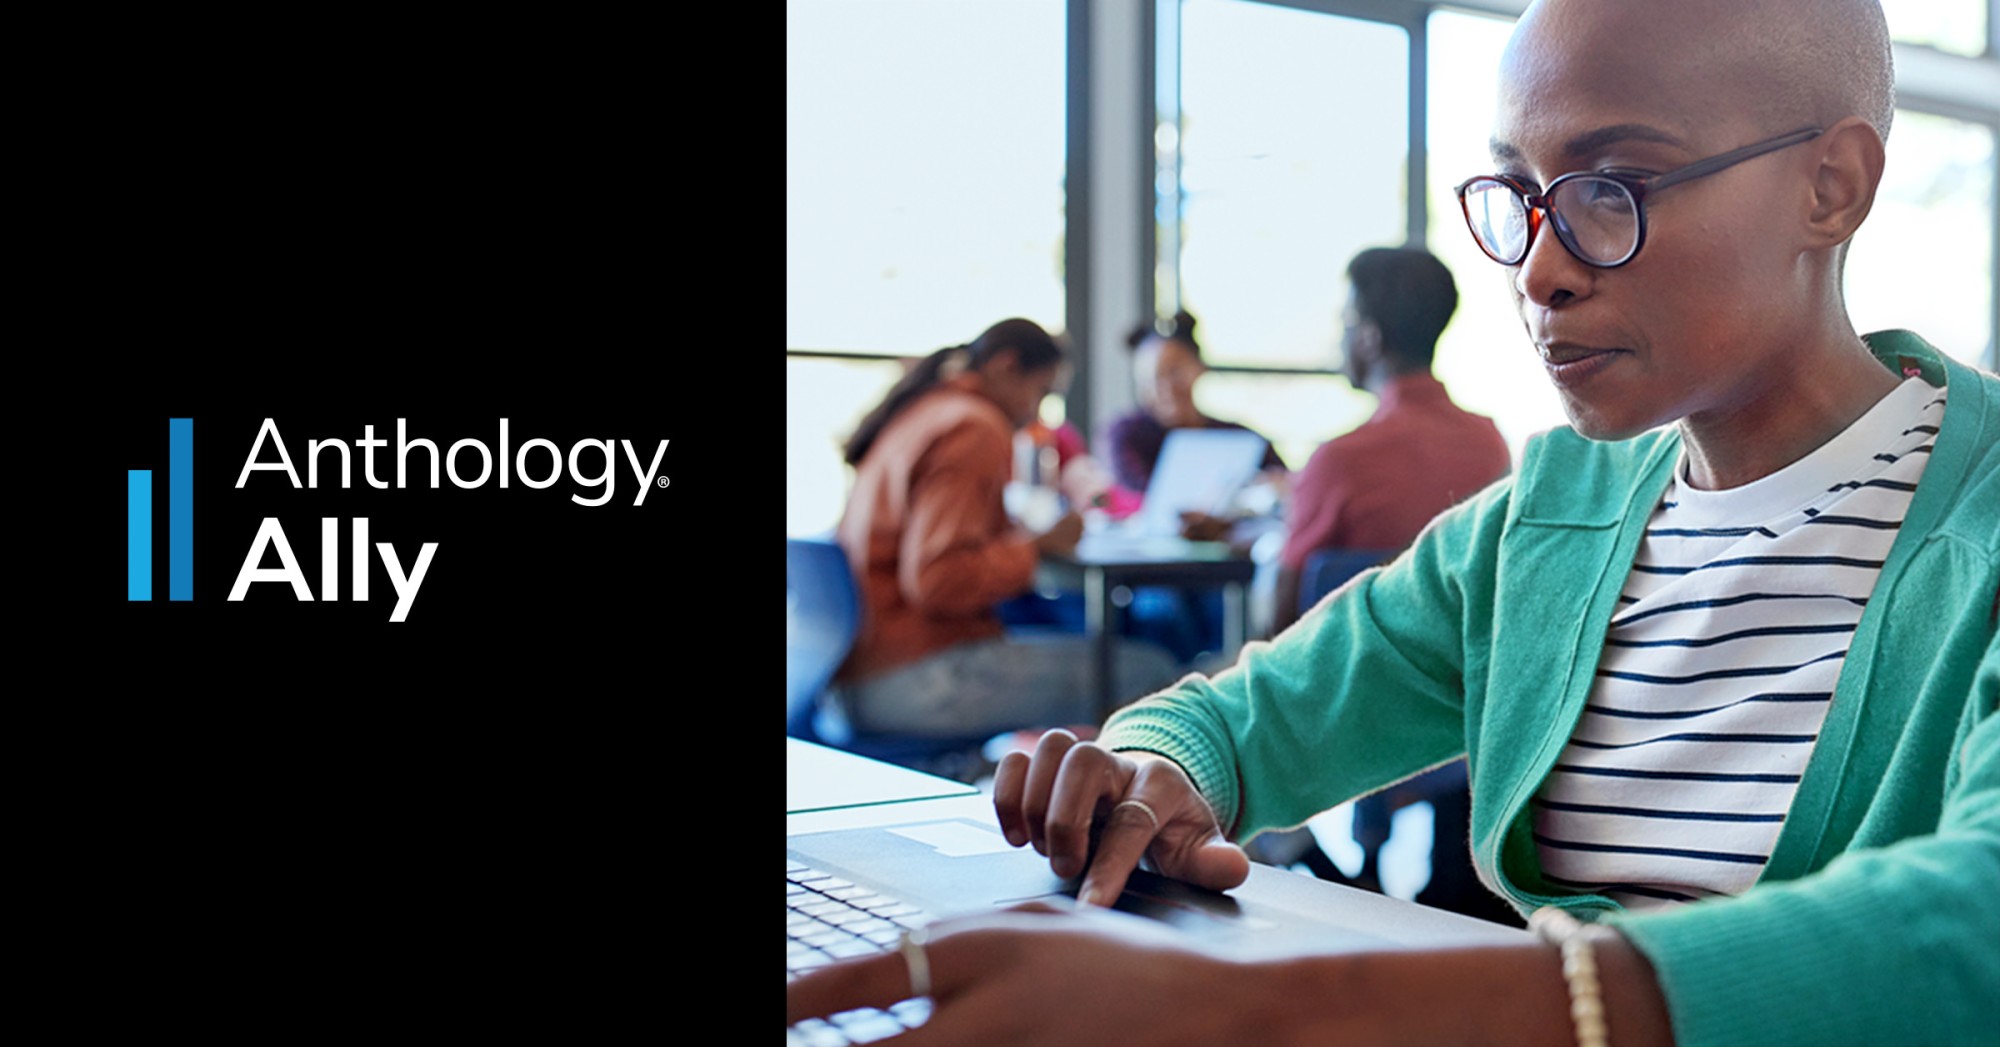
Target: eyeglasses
{"x": 1599, "y": 215}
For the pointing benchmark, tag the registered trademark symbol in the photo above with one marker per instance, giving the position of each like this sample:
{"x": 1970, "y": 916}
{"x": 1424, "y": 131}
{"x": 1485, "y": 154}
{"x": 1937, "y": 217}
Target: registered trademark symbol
{"x": 663, "y": 481}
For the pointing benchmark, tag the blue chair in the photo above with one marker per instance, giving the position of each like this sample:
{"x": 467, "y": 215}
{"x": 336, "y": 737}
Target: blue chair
{"x": 1329, "y": 569}
{"x": 823, "y": 615}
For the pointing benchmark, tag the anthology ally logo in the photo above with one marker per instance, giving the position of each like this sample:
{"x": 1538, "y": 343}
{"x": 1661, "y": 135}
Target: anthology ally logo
{"x": 271, "y": 533}
{"x": 180, "y": 519}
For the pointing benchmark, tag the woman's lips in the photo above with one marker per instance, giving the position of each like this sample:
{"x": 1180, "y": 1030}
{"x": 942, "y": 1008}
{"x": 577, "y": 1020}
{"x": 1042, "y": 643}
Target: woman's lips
{"x": 1572, "y": 365}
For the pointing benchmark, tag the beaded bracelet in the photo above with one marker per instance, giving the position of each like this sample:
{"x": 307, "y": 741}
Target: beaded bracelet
{"x": 1579, "y": 965}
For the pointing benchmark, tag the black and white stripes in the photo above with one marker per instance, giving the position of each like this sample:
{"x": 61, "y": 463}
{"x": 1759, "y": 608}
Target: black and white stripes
{"x": 1720, "y": 664}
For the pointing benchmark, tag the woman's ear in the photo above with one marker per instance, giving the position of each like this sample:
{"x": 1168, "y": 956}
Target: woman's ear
{"x": 1844, "y": 183}
{"x": 1005, "y": 363}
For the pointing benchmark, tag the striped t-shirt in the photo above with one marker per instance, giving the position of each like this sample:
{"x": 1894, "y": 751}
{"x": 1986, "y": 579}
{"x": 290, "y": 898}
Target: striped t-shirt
{"x": 1720, "y": 663}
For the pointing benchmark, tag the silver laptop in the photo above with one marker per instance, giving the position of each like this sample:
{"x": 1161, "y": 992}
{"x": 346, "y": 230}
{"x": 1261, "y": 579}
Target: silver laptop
{"x": 927, "y": 858}
{"x": 1199, "y": 470}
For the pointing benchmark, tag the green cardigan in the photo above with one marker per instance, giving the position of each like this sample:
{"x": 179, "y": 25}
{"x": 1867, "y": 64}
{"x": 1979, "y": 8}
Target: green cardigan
{"x": 1877, "y": 919}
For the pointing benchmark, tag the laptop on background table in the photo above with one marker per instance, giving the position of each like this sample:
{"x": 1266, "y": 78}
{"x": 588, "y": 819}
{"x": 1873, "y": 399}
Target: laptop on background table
{"x": 1199, "y": 470}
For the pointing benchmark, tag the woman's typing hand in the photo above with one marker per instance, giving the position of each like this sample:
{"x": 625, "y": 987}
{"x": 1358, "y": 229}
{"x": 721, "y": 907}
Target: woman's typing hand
{"x": 1146, "y": 806}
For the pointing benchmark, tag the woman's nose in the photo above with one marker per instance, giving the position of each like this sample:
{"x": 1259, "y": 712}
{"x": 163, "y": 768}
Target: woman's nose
{"x": 1550, "y": 275}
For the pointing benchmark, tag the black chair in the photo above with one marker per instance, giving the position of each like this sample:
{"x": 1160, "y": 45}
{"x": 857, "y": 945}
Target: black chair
{"x": 1453, "y": 885}
{"x": 1323, "y": 572}
{"x": 823, "y": 615}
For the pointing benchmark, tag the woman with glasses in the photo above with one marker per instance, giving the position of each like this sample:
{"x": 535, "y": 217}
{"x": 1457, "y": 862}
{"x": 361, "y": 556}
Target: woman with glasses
{"x": 1722, "y": 654}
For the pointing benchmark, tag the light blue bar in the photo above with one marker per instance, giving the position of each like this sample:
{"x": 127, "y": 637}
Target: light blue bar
{"x": 138, "y": 534}
{"x": 180, "y": 509}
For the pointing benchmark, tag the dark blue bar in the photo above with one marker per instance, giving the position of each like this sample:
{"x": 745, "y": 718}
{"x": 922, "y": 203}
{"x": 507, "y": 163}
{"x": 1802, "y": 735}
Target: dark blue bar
{"x": 180, "y": 509}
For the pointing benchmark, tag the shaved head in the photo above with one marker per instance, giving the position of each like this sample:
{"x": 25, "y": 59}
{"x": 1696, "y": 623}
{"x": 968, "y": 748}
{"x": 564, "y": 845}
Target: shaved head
{"x": 1824, "y": 60}
{"x": 1784, "y": 63}
{"x": 1732, "y": 294}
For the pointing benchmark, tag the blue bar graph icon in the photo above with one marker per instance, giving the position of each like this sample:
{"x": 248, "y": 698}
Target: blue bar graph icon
{"x": 180, "y": 519}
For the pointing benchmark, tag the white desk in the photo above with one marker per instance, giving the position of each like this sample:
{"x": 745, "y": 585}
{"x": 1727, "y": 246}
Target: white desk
{"x": 819, "y": 778}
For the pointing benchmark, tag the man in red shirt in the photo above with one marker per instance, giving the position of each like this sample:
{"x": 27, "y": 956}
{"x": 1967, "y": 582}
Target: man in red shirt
{"x": 1376, "y": 487}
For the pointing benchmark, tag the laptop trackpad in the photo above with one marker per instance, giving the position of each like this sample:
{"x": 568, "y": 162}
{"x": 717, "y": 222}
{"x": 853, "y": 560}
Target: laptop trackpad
{"x": 956, "y": 866}
{"x": 945, "y": 867}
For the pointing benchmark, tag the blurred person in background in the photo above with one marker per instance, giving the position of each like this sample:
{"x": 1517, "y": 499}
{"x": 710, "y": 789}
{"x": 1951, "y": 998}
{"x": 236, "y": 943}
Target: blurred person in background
{"x": 1376, "y": 487}
{"x": 1166, "y": 364}
{"x": 928, "y": 537}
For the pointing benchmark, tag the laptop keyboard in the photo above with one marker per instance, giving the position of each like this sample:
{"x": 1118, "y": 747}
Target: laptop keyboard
{"x": 830, "y": 919}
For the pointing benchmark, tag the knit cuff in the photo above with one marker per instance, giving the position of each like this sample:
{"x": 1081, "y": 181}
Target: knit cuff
{"x": 1146, "y": 730}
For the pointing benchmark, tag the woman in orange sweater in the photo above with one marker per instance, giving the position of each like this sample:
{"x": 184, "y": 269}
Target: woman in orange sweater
{"x": 927, "y": 534}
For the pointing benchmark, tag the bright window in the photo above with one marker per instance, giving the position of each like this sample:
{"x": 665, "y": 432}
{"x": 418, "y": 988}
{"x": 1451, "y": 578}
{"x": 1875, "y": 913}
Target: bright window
{"x": 1924, "y": 260}
{"x": 923, "y": 170}
{"x": 924, "y": 167}
{"x": 823, "y": 401}
{"x": 1484, "y": 358}
{"x": 1957, "y": 26}
{"x": 1293, "y": 138}
{"x": 1294, "y": 130}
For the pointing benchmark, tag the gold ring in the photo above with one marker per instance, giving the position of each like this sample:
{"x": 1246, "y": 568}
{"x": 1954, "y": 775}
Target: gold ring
{"x": 1141, "y": 805}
